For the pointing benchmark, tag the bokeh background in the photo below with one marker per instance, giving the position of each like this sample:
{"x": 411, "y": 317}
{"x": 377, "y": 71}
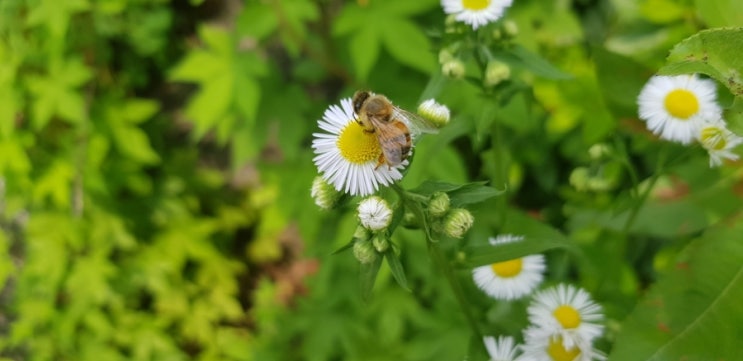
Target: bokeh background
{"x": 155, "y": 167}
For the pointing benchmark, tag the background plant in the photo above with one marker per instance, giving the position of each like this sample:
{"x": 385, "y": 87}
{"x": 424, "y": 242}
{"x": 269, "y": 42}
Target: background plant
{"x": 156, "y": 174}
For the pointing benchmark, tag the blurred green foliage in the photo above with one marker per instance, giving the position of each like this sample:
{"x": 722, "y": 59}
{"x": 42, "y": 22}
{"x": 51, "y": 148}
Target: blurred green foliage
{"x": 155, "y": 170}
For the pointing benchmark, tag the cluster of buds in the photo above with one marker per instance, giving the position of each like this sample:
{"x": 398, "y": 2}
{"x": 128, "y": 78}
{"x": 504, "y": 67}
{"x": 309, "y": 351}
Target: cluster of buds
{"x": 371, "y": 236}
{"x": 453, "y": 222}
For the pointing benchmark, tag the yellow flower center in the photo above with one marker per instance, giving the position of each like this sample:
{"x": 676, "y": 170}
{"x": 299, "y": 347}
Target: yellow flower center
{"x": 358, "y": 146}
{"x": 567, "y": 316}
{"x": 507, "y": 269}
{"x": 475, "y": 4}
{"x": 682, "y": 103}
{"x": 712, "y": 138}
{"x": 558, "y": 352}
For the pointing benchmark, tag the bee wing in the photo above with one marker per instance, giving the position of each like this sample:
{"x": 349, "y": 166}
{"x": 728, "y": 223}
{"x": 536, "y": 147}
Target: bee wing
{"x": 416, "y": 123}
{"x": 394, "y": 139}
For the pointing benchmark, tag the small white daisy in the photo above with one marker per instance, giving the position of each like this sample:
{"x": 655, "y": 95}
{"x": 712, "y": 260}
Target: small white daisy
{"x": 675, "y": 106}
{"x": 503, "y": 348}
{"x": 718, "y": 141}
{"x": 476, "y": 12}
{"x": 347, "y": 156}
{"x": 566, "y": 312}
{"x": 374, "y": 213}
{"x": 512, "y": 279}
{"x": 554, "y": 349}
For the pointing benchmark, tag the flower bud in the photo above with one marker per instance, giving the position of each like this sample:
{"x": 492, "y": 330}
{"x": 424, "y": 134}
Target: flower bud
{"x": 599, "y": 151}
{"x": 496, "y": 72}
{"x": 579, "y": 179}
{"x": 409, "y": 220}
{"x": 362, "y": 233}
{"x": 364, "y": 252}
{"x": 453, "y": 68}
{"x": 457, "y": 222}
{"x": 439, "y": 204}
{"x": 510, "y": 28}
{"x": 374, "y": 213}
{"x": 324, "y": 194}
{"x": 434, "y": 112}
{"x": 380, "y": 243}
{"x": 445, "y": 55}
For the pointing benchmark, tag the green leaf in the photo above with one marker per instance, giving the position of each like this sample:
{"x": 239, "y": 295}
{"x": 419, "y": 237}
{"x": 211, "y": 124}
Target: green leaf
{"x": 56, "y": 94}
{"x": 431, "y": 186}
{"x": 621, "y": 79}
{"x": 55, "y": 14}
{"x": 407, "y": 43}
{"x": 136, "y": 111}
{"x": 406, "y": 8}
{"x": 367, "y": 277}
{"x": 345, "y": 247}
{"x": 536, "y": 64}
{"x": 694, "y": 312}
{"x": 538, "y": 237}
{"x": 396, "y": 267}
{"x": 719, "y": 13}
{"x": 472, "y": 193}
{"x": 349, "y": 19}
{"x": 133, "y": 143}
{"x": 364, "y": 49}
{"x": 257, "y": 20}
{"x": 714, "y": 52}
{"x": 459, "y": 194}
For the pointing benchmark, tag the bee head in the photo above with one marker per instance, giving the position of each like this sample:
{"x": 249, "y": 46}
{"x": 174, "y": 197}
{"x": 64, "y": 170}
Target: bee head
{"x": 359, "y": 98}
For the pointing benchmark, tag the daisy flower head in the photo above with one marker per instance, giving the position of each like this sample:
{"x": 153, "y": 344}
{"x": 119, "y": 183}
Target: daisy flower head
{"x": 374, "y": 213}
{"x": 567, "y": 313}
{"x": 476, "y": 13}
{"x": 347, "y": 156}
{"x": 554, "y": 349}
{"x": 718, "y": 141}
{"x": 675, "y": 106}
{"x": 503, "y": 348}
{"x": 512, "y": 279}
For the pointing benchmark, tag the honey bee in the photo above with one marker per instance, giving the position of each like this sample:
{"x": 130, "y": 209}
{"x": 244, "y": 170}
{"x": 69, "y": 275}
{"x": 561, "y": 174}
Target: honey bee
{"x": 391, "y": 125}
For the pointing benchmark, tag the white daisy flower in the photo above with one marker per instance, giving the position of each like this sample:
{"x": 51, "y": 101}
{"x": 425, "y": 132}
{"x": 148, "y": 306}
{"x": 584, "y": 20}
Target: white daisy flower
{"x": 718, "y": 141}
{"x": 476, "y": 12}
{"x": 512, "y": 279}
{"x": 554, "y": 349}
{"x": 503, "y": 348}
{"x": 374, "y": 213}
{"x": 564, "y": 312}
{"x": 347, "y": 156}
{"x": 675, "y": 106}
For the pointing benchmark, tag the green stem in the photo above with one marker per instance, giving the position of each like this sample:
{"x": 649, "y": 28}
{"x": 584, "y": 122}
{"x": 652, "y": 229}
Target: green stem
{"x": 440, "y": 259}
{"x": 414, "y": 200}
{"x": 659, "y": 170}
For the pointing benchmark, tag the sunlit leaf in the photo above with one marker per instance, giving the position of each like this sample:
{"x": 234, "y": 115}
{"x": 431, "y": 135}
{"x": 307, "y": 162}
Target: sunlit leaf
{"x": 407, "y": 43}
{"x": 537, "y": 64}
{"x": 714, "y": 52}
{"x": 718, "y": 13}
{"x": 694, "y": 311}
{"x": 364, "y": 50}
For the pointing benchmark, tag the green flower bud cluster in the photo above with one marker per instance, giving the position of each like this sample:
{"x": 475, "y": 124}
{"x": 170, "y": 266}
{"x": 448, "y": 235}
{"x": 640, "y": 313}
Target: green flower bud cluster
{"x": 453, "y": 222}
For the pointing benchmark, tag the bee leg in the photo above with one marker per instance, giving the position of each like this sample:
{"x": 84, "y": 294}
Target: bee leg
{"x": 380, "y": 161}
